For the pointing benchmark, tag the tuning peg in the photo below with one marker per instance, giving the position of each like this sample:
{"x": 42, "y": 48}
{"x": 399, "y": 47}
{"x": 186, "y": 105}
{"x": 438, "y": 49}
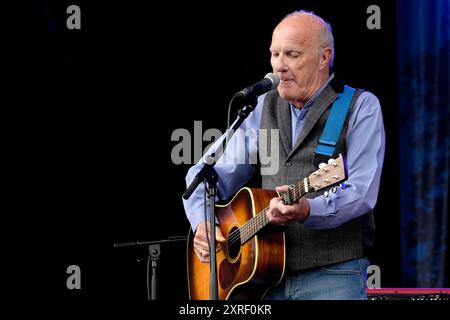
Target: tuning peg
{"x": 343, "y": 186}
{"x": 334, "y": 189}
{"x": 330, "y": 161}
{"x": 325, "y": 194}
{"x": 322, "y": 165}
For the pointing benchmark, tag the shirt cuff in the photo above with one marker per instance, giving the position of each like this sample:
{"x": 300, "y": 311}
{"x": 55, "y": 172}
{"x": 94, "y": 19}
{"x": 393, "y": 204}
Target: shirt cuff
{"x": 197, "y": 216}
{"x": 316, "y": 218}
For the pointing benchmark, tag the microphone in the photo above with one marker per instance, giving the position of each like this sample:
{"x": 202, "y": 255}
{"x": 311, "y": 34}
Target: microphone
{"x": 269, "y": 82}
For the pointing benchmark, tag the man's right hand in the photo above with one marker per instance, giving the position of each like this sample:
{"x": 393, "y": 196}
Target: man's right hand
{"x": 201, "y": 247}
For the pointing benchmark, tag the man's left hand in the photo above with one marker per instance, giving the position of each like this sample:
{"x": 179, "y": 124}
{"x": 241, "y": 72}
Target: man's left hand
{"x": 280, "y": 214}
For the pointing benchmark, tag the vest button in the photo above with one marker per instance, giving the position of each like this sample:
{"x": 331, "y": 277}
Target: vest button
{"x": 288, "y": 164}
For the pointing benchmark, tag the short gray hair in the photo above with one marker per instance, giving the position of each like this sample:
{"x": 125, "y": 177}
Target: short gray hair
{"x": 325, "y": 36}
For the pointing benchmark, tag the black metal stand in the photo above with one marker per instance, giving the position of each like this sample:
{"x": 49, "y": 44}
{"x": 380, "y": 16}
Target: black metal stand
{"x": 154, "y": 251}
{"x": 211, "y": 179}
{"x": 209, "y": 176}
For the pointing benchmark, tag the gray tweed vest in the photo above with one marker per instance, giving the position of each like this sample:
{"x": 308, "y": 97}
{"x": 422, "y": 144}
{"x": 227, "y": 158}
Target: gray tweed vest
{"x": 308, "y": 248}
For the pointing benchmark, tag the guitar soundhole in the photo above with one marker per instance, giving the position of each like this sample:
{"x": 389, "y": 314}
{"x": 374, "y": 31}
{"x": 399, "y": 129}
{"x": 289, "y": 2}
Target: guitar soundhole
{"x": 234, "y": 243}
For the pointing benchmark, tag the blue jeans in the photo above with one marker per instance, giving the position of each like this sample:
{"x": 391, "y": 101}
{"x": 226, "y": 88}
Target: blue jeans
{"x": 340, "y": 281}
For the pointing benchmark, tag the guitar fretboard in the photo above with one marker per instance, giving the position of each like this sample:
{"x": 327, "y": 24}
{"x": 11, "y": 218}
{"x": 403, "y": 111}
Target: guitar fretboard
{"x": 255, "y": 224}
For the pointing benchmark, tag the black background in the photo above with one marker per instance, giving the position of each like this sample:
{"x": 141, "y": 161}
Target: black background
{"x": 105, "y": 100}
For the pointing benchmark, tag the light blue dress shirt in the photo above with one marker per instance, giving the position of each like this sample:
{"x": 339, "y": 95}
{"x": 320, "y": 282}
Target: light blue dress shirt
{"x": 365, "y": 142}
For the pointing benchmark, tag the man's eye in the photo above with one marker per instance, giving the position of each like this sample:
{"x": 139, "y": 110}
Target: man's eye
{"x": 275, "y": 54}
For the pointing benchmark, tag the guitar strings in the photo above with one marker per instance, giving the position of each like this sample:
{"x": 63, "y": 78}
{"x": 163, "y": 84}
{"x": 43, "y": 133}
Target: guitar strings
{"x": 251, "y": 226}
{"x": 252, "y": 223}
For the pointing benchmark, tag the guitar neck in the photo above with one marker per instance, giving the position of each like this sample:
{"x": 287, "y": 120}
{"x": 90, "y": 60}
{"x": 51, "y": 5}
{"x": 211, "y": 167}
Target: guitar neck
{"x": 259, "y": 221}
{"x": 326, "y": 176}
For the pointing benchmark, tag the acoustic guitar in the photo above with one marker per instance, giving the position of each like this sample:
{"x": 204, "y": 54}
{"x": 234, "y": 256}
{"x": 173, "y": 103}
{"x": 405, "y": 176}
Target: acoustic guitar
{"x": 252, "y": 260}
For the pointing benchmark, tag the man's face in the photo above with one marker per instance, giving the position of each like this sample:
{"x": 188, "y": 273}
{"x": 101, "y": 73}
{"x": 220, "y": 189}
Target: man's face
{"x": 296, "y": 60}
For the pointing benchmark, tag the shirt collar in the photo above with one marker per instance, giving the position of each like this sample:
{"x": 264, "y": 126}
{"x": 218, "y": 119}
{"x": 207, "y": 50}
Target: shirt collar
{"x": 311, "y": 100}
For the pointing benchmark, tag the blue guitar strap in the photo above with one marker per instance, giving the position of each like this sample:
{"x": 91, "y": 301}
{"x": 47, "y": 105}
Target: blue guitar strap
{"x": 328, "y": 141}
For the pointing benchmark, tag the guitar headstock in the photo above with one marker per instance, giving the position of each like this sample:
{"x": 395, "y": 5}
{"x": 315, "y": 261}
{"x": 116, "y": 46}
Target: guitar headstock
{"x": 329, "y": 174}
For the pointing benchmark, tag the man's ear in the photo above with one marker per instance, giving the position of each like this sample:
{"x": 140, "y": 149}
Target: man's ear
{"x": 325, "y": 57}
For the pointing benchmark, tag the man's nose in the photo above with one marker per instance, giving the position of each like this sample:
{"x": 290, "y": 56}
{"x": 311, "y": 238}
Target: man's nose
{"x": 279, "y": 64}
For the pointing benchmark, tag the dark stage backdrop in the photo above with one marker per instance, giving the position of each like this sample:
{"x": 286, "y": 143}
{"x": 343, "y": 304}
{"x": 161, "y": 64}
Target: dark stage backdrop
{"x": 424, "y": 107}
{"x": 109, "y": 97}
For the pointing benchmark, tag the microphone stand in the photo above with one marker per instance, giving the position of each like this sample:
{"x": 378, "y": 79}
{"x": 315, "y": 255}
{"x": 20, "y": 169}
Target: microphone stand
{"x": 209, "y": 176}
{"x": 154, "y": 250}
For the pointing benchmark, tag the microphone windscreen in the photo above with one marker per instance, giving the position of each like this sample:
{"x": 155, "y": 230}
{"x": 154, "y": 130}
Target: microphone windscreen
{"x": 273, "y": 77}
